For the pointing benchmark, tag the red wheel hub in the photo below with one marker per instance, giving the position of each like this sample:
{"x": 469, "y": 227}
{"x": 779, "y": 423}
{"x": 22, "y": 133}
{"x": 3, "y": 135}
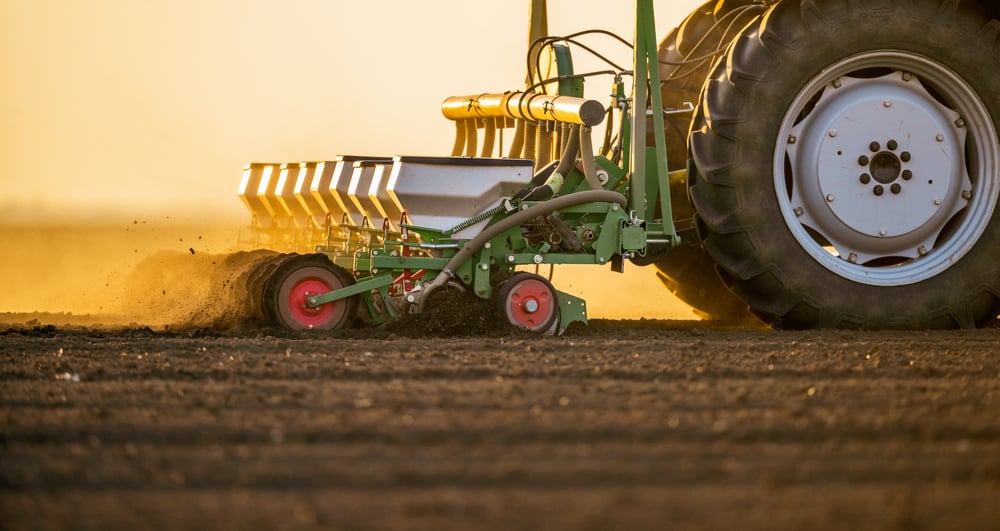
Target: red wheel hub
{"x": 531, "y": 304}
{"x": 299, "y": 308}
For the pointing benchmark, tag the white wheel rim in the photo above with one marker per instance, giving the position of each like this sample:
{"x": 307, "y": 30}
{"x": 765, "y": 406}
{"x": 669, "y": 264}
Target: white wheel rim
{"x": 903, "y": 210}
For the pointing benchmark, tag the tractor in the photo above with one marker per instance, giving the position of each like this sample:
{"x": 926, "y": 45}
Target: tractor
{"x": 809, "y": 163}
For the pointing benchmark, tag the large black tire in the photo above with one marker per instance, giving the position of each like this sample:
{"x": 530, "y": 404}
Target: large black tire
{"x": 689, "y": 271}
{"x": 786, "y": 193}
{"x": 684, "y": 66}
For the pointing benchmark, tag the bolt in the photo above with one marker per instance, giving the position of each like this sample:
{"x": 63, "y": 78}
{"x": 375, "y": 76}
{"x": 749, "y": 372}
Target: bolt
{"x": 922, "y": 251}
{"x": 907, "y": 76}
{"x": 537, "y": 259}
{"x": 601, "y": 259}
{"x": 484, "y": 267}
{"x": 791, "y": 139}
{"x": 896, "y": 188}
{"x": 829, "y": 198}
{"x": 874, "y": 146}
{"x": 878, "y": 189}
{"x": 863, "y": 160}
{"x": 852, "y": 258}
{"x": 487, "y": 245}
{"x": 374, "y": 270}
{"x": 837, "y": 83}
{"x": 411, "y": 298}
{"x": 904, "y": 156}
{"x": 799, "y": 211}
{"x": 907, "y": 175}
{"x": 892, "y": 145}
{"x": 960, "y": 122}
{"x": 530, "y": 306}
{"x": 510, "y": 258}
{"x": 882, "y": 232}
{"x": 614, "y": 208}
{"x": 939, "y": 137}
{"x": 865, "y": 178}
{"x": 887, "y": 104}
{"x": 833, "y": 133}
{"x": 966, "y": 194}
{"x": 937, "y": 202}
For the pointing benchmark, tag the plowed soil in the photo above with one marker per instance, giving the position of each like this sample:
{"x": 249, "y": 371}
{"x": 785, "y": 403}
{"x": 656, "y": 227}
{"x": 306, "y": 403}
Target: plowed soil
{"x": 619, "y": 425}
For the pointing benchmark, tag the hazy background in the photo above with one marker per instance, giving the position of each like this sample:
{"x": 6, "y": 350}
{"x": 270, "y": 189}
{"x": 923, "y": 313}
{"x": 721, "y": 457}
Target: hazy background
{"x": 138, "y": 115}
{"x": 143, "y": 106}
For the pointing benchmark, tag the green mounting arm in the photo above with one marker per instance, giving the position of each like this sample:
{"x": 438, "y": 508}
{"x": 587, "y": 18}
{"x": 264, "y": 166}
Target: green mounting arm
{"x": 646, "y": 95}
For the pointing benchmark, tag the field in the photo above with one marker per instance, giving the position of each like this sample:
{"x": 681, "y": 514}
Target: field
{"x": 622, "y": 425}
{"x": 120, "y": 409}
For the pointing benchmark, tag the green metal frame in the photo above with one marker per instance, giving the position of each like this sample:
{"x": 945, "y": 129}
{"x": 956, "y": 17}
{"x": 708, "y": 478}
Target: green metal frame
{"x": 381, "y": 262}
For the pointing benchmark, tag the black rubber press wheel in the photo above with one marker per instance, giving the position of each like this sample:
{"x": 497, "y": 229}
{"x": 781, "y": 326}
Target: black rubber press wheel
{"x": 300, "y": 277}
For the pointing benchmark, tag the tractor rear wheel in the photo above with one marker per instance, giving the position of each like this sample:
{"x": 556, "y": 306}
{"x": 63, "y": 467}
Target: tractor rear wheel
{"x": 298, "y": 278}
{"x": 686, "y": 60}
{"x": 846, "y": 165}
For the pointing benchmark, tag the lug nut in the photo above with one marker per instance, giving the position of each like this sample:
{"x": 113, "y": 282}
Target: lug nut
{"x": 907, "y": 175}
{"x": 863, "y": 160}
{"x": 892, "y": 145}
{"x": 874, "y": 146}
{"x": 865, "y": 178}
{"x": 904, "y": 156}
{"x": 895, "y": 188}
{"x": 878, "y": 189}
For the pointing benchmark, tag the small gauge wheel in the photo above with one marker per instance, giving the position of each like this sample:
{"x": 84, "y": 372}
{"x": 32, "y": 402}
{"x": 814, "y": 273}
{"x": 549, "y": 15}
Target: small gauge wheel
{"x": 528, "y": 301}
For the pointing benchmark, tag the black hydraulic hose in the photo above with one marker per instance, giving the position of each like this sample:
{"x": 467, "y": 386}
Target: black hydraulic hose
{"x": 557, "y": 177}
{"x": 568, "y": 158}
{"x": 530, "y": 213}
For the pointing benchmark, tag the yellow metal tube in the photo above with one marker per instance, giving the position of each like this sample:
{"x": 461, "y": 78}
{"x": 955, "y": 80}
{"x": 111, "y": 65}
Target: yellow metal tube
{"x": 525, "y": 106}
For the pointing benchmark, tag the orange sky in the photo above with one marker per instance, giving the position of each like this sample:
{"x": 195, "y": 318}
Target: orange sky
{"x": 146, "y": 107}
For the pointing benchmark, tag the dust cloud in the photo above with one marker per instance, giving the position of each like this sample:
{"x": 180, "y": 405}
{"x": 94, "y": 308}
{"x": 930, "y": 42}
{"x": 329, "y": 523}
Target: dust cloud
{"x": 134, "y": 272}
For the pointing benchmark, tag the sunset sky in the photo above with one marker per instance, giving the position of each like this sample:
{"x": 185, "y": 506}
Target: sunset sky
{"x": 129, "y": 107}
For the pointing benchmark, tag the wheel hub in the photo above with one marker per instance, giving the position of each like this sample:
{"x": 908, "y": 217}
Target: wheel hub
{"x": 885, "y": 167}
{"x": 298, "y": 302}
